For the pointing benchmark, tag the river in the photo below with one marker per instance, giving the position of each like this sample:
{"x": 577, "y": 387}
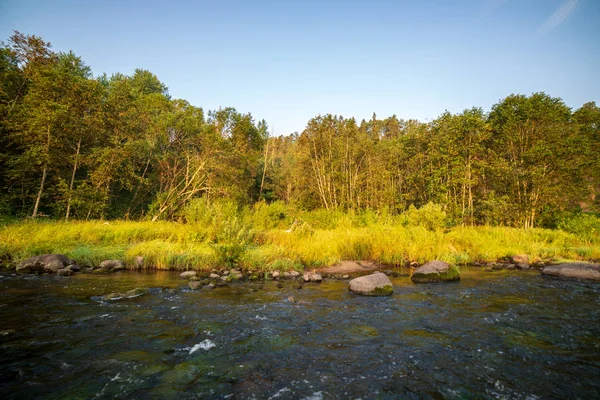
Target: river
{"x": 507, "y": 335}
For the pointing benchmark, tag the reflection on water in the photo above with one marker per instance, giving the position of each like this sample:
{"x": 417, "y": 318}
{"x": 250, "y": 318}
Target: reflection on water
{"x": 500, "y": 335}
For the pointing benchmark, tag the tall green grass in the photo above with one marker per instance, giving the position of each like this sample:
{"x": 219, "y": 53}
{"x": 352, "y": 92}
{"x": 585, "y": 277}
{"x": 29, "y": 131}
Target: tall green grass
{"x": 203, "y": 246}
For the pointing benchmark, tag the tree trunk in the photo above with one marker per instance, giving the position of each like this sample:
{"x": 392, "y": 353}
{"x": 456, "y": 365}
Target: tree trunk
{"x": 266, "y": 160}
{"x": 44, "y": 173}
{"x": 39, "y": 195}
{"x": 73, "y": 180}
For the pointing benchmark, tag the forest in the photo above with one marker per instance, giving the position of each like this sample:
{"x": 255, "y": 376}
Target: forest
{"x": 84, "y": 147}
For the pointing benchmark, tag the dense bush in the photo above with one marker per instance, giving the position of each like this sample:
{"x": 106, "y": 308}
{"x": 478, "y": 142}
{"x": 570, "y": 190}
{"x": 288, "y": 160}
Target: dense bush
{"x": 586, "y": 226}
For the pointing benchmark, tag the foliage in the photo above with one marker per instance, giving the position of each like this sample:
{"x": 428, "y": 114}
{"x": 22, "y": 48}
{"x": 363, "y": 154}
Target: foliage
{"x": 585, "y": 226}
{"x": 81, "y": 147}
{"x": 430, "y": 216}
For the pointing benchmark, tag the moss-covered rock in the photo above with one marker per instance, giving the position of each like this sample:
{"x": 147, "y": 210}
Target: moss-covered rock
{"x": 436, "y": 271}
{"x": 376, "y": 284}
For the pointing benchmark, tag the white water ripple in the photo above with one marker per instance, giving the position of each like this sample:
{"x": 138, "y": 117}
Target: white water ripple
{"x": 206, "y": 344}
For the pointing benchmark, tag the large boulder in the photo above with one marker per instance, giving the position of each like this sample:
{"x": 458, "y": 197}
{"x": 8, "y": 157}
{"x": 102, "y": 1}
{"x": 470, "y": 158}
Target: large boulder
{"x": 574, "y": 271}
{"x": 435, "y": 271}
{"x": 45, "y": 263}
{"x": 376, "y": 284}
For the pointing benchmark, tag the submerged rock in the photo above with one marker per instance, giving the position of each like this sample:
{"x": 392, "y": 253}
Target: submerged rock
{"x": 376, "y": 284}
{"x": 51, "y": 263}
{"x": 136, "y": 292}
{"x": 574, "y": 271}
{"x": 188, "y": 274}
{"x": 193, "y": 285}
{"x": 64, "y": 272}
{"x": 127, "y": 295}
{"x": 112, "y": 296}
{"x": 436, "y": 271}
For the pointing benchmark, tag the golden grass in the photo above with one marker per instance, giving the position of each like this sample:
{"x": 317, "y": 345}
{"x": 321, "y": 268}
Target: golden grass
{"x": 170, "y": 245}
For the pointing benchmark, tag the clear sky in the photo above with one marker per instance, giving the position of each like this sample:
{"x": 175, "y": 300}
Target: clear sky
{"x": 288, "y": 61}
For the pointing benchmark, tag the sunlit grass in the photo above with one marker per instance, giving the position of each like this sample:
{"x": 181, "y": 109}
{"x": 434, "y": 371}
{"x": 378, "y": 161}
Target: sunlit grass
{"x": 170, "y": 245}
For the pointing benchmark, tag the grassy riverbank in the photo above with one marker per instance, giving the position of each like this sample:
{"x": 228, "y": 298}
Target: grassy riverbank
{"x": 171, "y": 245}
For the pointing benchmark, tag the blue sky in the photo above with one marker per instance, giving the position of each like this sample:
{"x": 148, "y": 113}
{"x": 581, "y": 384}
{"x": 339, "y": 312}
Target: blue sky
{"x": 288, "y": 61}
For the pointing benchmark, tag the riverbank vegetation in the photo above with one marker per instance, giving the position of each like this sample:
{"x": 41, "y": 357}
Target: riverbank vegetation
{"x": 275, "y": 237}
{"x": 139, "y": 173}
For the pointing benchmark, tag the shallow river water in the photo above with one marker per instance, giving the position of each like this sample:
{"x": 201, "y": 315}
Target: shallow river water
{"x": 513, "y": 335}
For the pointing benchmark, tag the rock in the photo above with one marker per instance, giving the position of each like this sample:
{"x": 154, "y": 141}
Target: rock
{"x": 136, "y": 292}
{"x": 436, "y": 271}
{"x": 74, "y": 267}
{"x": 194, "y": 278}
{"x": 112, "y": 265}
{"x": 294, "y": 274}
{"x": 349, "y": 267}
{"x": 312, "y": 277}
{"x": 64, "y": 272}
{"x": 112, "y": 296}
{"x": 376, "y": 284}
{"x": 209, "y": 286}
{"x": 346, "y": 277}
{"x": 225, "y": 273}
{"x": 286, "y": 275}
{"x": 187, "y": 274}
{"x": 214, "y": 276}
{"x": 520, "y": 259}
{"x": 498, "y": 267}
{"x": 522, "y": 266}
{"x": 127, "y": 295}
{"x": 275, "y": 274}
{"x": 488, "y": 270}
{"x": 574, "y": 271}
{"x": 194, "y": 285}
{"x": 291, "y": 299}
{"x": 44, "y": 263}
{"x": 511, "y": 267}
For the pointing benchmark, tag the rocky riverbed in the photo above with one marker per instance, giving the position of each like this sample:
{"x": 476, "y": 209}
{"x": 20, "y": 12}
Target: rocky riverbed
{"x": 507, "y": 334}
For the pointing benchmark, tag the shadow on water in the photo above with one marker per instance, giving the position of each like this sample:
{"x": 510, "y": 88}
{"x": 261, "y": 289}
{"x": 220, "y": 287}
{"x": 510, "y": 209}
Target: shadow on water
{"x": 492, "y": 335}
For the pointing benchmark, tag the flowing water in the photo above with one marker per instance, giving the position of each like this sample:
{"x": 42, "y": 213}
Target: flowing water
{"x": 513, "y": 335}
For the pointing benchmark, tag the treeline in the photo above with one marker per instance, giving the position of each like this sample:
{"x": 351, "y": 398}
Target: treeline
{"x": 78, "y": 146}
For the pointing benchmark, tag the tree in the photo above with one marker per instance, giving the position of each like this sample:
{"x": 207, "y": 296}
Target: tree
{"x": 535, "y": 154}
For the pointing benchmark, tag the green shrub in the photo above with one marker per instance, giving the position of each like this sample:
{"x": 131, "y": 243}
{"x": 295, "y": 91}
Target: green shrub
{"x": 271, "y": 216}
{"x": 586, "y": 226}
{"x": 431, "y": 216}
